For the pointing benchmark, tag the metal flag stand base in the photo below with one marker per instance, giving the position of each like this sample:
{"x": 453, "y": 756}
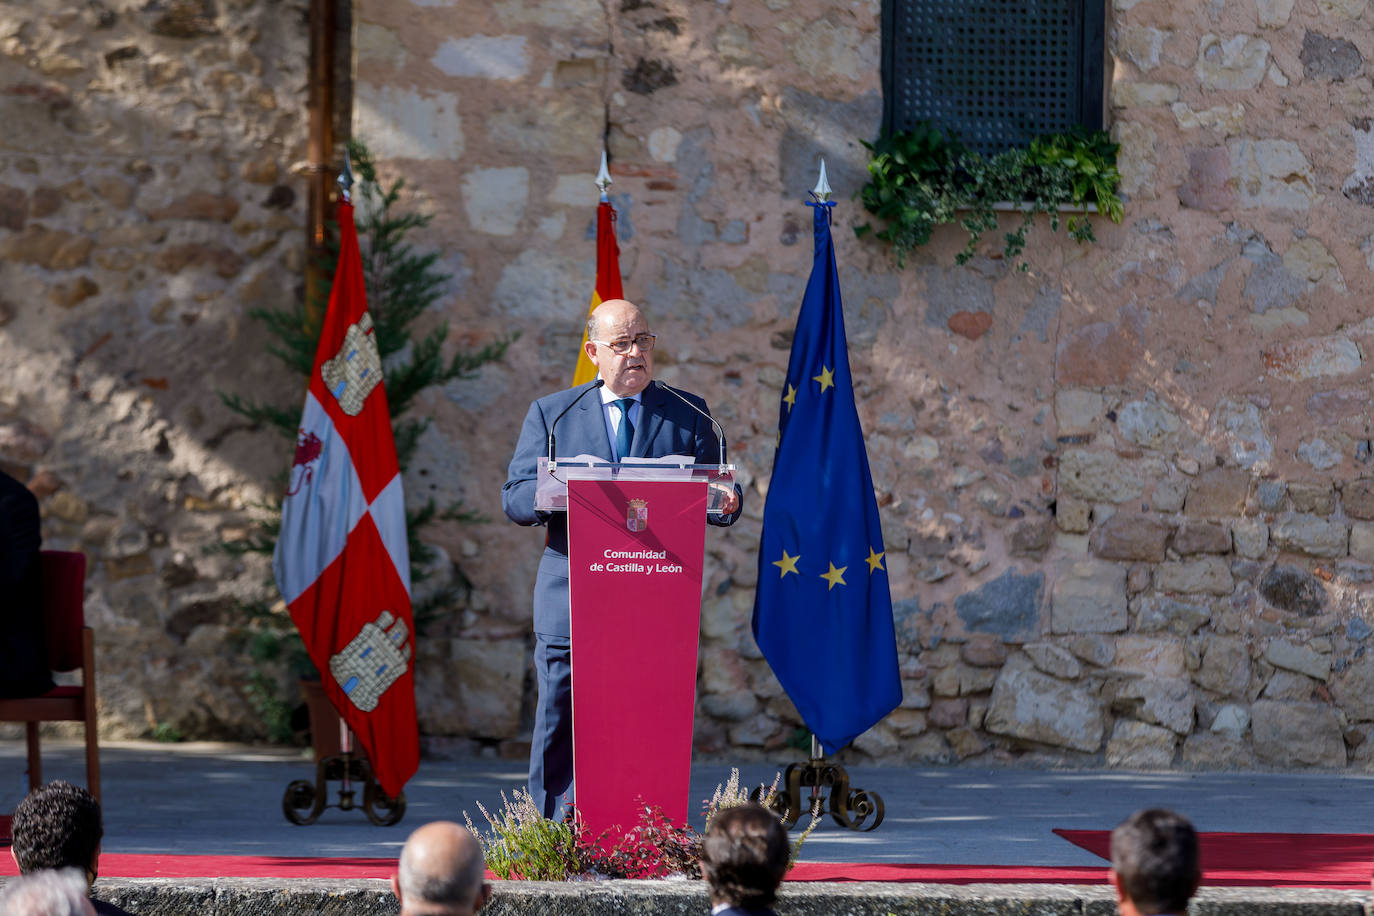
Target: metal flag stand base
{"x": 304, "y": 801}
{"x": 850, "y": 808}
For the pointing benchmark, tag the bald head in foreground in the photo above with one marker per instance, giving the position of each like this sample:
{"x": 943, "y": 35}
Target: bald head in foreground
{"x": 440, "y": 872}
{"x": 1155, "y": 866}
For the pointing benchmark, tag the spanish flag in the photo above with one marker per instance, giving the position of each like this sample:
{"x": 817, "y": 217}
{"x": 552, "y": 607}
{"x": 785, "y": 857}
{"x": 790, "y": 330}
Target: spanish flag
{"x": 607, "y": 282}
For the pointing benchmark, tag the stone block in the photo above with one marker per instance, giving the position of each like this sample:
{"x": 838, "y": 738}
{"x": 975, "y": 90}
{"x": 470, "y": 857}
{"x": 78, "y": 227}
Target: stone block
{"x": 1362, "y": 541}
{"x": 1152, "y": 656}
{"x": 907, "y": 723}
{"x": 1130, "y": 537}
{"x": 494, "y": 199}
{"x": 1337, "y": 405}
{"x": 1099, "y": 476}
{"x": 1272, "y": 174}
{"x": 1218, "y": 493}
{"x": 1353, "y": 690}
{"x": 1036, "y": 707}
{"x": 1357, "y": 496}
{"x": 1320, "y": 454}
{"x": 199, "y": 205}
{"x": 1073, "y": 516}
{"x": 1290, "y": 685}
{"x": 1273, "y": 14}
{"x": 965, "y": 742}
{"x": 1296, "y": 734}
{"x": 1313, "y": 535}
{"x": 1208, "y": 185}
{"x": 1202, "y": 537}
{"x": 1090, "y": 597}
{"x": 1225, "y": 667}
{"x": 1101, "y": 353}
{"x": 1231, "y": 720}
{"x": 1095, "y": 650}
{"x": 1162, "y": 701}
{"x": 1217, "y": 752}
{"x": 1313, "y": 357}
{"x": 1326, "y": 58}
{"x": 1077, "y": 411}
{"x": 1128, "y": 94}
{"x": 1208, "y": 575}
{"x": 1159, "y": 612}
{"x": 1238, "y": 62}
{"x": 1250, "y": 537}
{"x": 498, "y": 57}
{"x": 1140, "y": 746}
{"x": 1269, "y": 494}
{"x": 1054, "y": 660}
{"x": 403, "y": 123}
{"x": 1281, "y": 653}
{"x": 1317, "y": 497}
{"x": 1008, "y": 606}
{"x": 1169, "y": 495}
{"x": 1293, "y": 589}
{"x": 984, "y": 651}
{"x": 947, "y": 712}
{"x": 53, "y": 249}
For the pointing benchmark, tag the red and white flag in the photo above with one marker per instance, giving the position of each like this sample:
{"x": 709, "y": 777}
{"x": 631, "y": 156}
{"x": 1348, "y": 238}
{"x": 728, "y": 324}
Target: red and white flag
{"x": 341, "y": 560}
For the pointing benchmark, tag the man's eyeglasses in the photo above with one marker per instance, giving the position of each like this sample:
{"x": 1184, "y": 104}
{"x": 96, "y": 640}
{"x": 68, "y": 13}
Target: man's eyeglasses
{"x": 620, "y": 347}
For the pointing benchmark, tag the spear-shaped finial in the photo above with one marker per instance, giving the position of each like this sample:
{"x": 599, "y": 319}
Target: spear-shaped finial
{"x": 822, "y": 189}
{"x": 346, "y": 179}
{"x": 603, "y": 177}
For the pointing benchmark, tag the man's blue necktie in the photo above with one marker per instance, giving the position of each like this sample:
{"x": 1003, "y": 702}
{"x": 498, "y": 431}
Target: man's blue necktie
{"x": 625, "y": 432}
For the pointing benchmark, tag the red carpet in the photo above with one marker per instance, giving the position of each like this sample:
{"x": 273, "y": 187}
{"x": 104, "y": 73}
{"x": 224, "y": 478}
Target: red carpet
{"x": 1334, "y": 860}
{"x": 1325, "y": 860}
{"x": 126, "y": 865}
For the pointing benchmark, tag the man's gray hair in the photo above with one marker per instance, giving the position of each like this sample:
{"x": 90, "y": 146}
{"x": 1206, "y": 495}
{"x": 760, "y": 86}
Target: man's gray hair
{"x": 443, "y": 889}
{"x": 46, "y": 893}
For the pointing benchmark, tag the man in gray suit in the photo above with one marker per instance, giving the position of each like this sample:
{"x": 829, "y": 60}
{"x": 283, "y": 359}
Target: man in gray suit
{"x": 627, "y": 416}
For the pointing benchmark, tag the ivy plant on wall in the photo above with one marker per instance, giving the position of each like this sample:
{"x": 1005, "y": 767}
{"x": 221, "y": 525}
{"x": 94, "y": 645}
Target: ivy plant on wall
{"x": 923, "y": 178}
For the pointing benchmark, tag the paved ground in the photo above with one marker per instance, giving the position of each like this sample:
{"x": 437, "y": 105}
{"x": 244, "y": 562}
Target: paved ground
{"x": 226, "y": 799}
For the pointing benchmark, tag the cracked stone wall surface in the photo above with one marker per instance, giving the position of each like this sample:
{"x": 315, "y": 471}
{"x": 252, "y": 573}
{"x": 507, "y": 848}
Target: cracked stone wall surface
{"x": 1126, "y": 494}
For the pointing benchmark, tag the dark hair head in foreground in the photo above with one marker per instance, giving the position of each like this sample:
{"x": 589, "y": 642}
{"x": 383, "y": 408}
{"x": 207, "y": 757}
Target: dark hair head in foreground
{"x": 1155, "y": 864}
{"x": 744, "y": 856}
{"x": 57, "y": 825}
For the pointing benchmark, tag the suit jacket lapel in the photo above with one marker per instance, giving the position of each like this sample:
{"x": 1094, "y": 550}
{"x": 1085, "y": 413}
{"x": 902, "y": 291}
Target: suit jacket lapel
{"x": 650, "y": 419}
{"x": 592, "y": 416}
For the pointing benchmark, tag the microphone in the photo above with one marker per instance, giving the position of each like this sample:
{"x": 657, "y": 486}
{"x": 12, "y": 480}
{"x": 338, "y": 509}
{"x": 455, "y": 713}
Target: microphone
{"x": 597, "y": 385}
{"x": 720, "y": 433}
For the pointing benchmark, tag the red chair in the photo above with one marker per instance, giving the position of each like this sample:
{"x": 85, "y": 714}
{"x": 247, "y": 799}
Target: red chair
{"x": 71, "y": 647}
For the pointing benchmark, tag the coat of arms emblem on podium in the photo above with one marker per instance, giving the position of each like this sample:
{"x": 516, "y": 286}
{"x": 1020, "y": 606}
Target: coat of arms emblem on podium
{"x": 637, "y": 514}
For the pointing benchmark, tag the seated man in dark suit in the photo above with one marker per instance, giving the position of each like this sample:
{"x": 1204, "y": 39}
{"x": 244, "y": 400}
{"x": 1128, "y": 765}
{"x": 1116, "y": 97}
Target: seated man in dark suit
{"x": 630, "y": 415}
{"x": 744, "y": 856}
{"x": 57, "y": 826}
{"x": 1155, "y": 867}
{"x": 23, "y": 648}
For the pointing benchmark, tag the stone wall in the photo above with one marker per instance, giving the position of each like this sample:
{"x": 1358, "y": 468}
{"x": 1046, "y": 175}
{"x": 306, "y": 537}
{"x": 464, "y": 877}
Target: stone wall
{"x": 146, "y": 204}
{"x": 1126, "y": 504}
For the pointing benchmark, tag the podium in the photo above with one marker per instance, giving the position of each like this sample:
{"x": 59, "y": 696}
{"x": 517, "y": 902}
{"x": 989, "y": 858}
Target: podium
{"x": 636, "y": 538}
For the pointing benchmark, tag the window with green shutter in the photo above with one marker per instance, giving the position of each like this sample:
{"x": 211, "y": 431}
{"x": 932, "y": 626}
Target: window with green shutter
{"x": 995, "y": 72}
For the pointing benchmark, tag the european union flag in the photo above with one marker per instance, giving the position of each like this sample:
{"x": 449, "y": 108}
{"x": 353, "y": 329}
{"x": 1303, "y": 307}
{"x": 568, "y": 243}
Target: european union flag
{"x": 823, "y": 611}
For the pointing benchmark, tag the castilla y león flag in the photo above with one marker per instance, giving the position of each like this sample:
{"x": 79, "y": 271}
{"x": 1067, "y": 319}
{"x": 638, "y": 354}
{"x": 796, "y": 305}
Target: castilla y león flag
{"x": 341, "y": 560}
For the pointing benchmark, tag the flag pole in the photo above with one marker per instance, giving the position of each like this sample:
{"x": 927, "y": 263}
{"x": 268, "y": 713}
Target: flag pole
{"x": 850, "y": 808}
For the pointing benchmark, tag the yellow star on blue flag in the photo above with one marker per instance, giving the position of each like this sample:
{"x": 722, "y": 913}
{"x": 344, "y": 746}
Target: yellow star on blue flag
{"x": 821, "y": 504}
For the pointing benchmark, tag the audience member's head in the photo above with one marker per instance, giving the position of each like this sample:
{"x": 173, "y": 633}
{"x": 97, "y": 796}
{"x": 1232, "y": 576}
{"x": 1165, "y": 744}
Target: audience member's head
{"x": 57, "y": 826}
{"x": 1155, "y": 865}
{"x": 744, "y": 857}
{"x": 440, "y": 872}
{"x": 46, "y": 893}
